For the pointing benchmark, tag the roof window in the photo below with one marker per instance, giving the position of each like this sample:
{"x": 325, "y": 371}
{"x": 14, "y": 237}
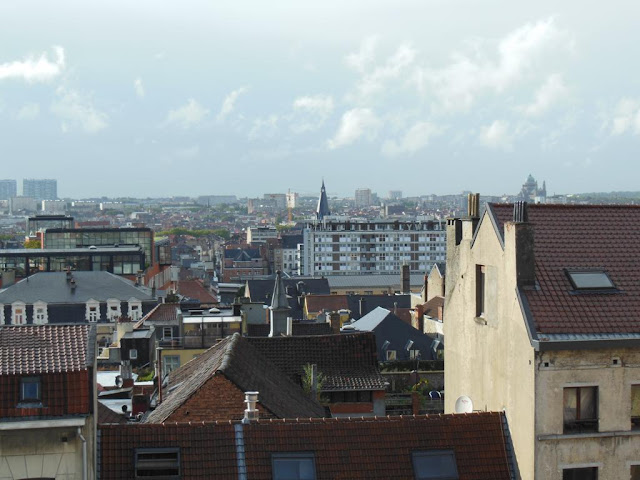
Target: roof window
{"x": 293, "y": 466}
{"x": 590, "y": 280}
{"x": 435, "y": 464}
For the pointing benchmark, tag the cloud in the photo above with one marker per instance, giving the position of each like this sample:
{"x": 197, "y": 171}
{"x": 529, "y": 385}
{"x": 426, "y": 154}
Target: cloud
{"x": 310, "y": 112}
{"x": 360, "y": 60}
{"x": 229, "y": 102}
{"x": 374, "y": 81}
{"x": 415, "y": 139}
{"x": 552, "y": 91}
{"x": 77, "y": 111}
{"x": 29, "y": 111}
{"x": 264, "y": 128}
{"x": 354, "y": 124}
{"x": 188, "y": 115}
{"x": 139, "y": 88}
{"x": 497, "y": 136}
{"x": 457, "y": 85}
{"x": 625, "y": 117}
{"x": 33, "y": 70}
{"x": 188, "y": 152}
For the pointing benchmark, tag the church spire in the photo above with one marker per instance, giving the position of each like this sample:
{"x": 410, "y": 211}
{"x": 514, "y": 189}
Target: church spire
{"x": 323, "y": 204}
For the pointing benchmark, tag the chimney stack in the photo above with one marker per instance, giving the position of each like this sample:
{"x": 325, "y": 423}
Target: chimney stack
{"x": 523, "y": 242}
{"x": 251, "y": 412}
{"x": 418, "y": 322}
{"x": 405, "y": 279}
{"x": 334, "y": 319}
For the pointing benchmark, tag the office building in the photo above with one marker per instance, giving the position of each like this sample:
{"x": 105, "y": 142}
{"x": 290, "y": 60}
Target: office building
{"x": 8, "y": 189}
{"x": 40, "y": 189}
{"x": 363, "y": 197}
{"x": 346, "y": 247}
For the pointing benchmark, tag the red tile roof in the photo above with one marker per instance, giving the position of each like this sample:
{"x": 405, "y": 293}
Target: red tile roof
{"x": 582, "y": 237}
{"x": 367, "y": 448}
{"x": 196, "y": 291}
{"x": 432, "y": 306}
{"x": 35, "y": 349}
{"x": 327, "y": 303}
{"x": 248, "y": 370}
{"x": 163, "y": 313}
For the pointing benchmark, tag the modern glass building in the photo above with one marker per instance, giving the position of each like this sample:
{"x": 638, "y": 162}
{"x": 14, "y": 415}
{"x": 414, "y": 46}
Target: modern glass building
{"x": 66, "y": 238}
{"x": 40, "y": 223}
{"x": 116, "y": 260}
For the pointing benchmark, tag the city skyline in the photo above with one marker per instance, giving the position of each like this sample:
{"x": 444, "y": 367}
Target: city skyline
{"x": 179, "y": 101}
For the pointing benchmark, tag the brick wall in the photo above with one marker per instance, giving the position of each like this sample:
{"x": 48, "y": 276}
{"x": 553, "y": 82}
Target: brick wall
{"x": 218, "y": 399}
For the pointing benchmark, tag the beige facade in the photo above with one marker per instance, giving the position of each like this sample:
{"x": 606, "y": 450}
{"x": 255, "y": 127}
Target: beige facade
{"x": 490, "y": 358}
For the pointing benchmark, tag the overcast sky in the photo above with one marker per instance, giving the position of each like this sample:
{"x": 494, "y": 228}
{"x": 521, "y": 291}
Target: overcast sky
{"x": 161, "y": 98}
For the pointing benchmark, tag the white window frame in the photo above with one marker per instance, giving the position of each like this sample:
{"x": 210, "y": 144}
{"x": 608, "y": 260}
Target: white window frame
{"x": 134, "y": 302}
{"x": 40, "y": 318}
{"x": 133, "y": 354}
{"x": 1, "y": 313}
{"x": 391, "y": 355}
{"x": 111, "y": 313}
{"x": 92, "y": 316}
{"x": 18, "y": 318}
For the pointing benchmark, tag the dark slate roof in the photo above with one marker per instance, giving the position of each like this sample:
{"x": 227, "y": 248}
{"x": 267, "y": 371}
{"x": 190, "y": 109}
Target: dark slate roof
{"x": 36, "y": 349}
{"x": 106, "y": 415}
{"x": 291, "y": 241}
{"x": 349, "y": 362}
{"x": 297, "y": 328}
{"x": 262, "y": 291}
{"x": 365, "y": 448}
{"x": 249, "y": 370}
{"x": 582, "y": 237}
{"x": 52, "y": 287}
{"x": 242, "y": 254}
{"x": 279, "y": 299}
{"x": 322, "y": 210}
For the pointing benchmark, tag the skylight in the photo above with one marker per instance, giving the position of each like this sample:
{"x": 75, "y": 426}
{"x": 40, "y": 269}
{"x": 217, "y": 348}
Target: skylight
{"x": 590, "y": 279}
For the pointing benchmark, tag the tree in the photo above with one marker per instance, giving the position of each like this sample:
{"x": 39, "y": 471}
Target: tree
{"x": 307, "y": 382}
{"x": 35, "y": 244}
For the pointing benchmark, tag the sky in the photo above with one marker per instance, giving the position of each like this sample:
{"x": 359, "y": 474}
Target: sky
{"x": 155, "y": 99}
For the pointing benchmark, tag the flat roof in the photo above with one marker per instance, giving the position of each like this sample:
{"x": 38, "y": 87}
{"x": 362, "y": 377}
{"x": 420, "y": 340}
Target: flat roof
{"x": 47, "y": 252}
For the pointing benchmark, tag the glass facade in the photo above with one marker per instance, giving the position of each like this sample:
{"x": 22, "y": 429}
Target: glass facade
{"x": 65, "y": 238}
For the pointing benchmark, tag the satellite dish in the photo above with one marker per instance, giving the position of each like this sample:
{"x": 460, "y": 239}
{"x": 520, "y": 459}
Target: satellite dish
{"x": 119, "y": 381}
{"x": 464, "y": 405}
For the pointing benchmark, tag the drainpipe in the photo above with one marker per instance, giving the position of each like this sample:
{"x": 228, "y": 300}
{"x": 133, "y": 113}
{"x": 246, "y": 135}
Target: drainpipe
{"x": 84, "y": 454}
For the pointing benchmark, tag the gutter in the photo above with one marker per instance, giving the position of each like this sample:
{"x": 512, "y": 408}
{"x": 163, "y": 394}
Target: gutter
{"x": 84, "y": 454}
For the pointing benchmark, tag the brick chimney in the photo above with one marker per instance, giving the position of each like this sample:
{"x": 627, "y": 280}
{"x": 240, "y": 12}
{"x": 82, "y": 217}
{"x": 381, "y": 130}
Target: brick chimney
{"x": 334, "y": 318}
{"x": 405, "y": 279}
{"x": 520, "y": 231}
{"x": 418, "y": 313}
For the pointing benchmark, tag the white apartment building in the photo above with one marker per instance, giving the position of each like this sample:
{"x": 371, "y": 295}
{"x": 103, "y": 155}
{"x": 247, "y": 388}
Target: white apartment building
{"x": 346, "y": 247}
{"x": 260, "y": 234}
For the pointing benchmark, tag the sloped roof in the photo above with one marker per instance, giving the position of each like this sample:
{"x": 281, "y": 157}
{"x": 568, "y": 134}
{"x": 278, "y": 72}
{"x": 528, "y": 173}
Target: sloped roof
{"x": 38, "y": 349}
{"x": 291, "y": 241}
{"x": 195, "y": 290}
{"x": 243, "y": 365}
{"x": 328, "y": 303}
{"x": 106, "y": 415}
{"x": 297, "y": 328}
{"x": 349, "y": 362}
{"x": 432, "y": 306}
{"x": 603, "y": 237}
{"x": 242, "y": 254}
{"x": 365, "y": 448}
{"x": 52, "y": 287}
{"x": 166, "y": 313}
{"x": 371, "y": 302}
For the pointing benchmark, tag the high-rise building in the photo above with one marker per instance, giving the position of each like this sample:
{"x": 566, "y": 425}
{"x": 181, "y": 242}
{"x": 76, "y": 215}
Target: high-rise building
{"x": 40, "y": 189}
{"x": 348, "y": 247}
{"x": 395, "y": 194}
{"x": 363, "y": 197}
{"x": 8, "y": 189}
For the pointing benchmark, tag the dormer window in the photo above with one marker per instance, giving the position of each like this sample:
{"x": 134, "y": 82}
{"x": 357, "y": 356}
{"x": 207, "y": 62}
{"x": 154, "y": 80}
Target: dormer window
{"x": 113, "y": 309}
{"x": 40, "y": 314}
{"x": 92, "y": 312}
{"x": 135, "y": 309}
{"x": 18, "y": 313}
{"x": 590, "y": 280}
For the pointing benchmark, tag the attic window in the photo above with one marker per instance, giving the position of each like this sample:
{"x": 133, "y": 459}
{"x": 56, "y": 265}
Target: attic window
{"x": 435, "y": 464}
{"x": 293, "y": 466}
{"x": 590, "y": 280}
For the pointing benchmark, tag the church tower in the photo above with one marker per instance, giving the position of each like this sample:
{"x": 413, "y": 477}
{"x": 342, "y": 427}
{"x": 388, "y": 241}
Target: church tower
{"x": 323, "y": 204}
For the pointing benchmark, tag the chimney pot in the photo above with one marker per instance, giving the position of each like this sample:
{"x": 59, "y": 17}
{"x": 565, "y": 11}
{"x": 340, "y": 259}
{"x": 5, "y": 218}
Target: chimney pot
{"x": 251, "y": 412}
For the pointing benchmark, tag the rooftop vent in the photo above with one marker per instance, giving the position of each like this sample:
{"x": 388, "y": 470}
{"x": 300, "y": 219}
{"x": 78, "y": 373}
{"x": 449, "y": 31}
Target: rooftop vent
{"x": 251, "y": 412}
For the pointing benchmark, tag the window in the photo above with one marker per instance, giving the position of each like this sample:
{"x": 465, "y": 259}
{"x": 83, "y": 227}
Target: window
{"x": 634, "y": 473}
{"x": 391, "y": 354}
{"x": 133, "y": 354}
{"x": 580, "y": 409}
{"x": 135, "y": 309}
{"x": 434, "y": 464}
{"x": 480, "y": 285}
{"x": 169, "y": 363}
{"x": 167, "y": 333}
{"x": 30, "y": 389}
{"x": 635, "y": 407}
{"x": 157, "y": 462}
{"x": 40, "y": 316}
{"x": 18, "y": 313}
{"x": 590, "y": 280}
{"x": 414, "y": 354}
{"x": 293, "y": 466}
{"x": 585, "y": 473}
{"x": 113, "y": 309}
{"x": 92, "y": 313}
